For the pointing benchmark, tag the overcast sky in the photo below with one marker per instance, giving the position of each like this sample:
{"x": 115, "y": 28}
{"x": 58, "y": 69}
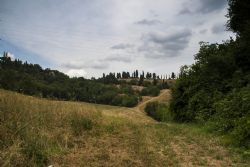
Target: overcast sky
{"x": 89, "y": 37}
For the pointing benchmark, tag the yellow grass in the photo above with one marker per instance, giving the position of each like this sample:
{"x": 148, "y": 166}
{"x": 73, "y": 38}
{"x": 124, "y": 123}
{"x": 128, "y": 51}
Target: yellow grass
{"x": 39, "y": 132}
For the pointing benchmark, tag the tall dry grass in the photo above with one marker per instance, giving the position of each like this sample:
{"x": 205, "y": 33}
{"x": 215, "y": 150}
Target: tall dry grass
{"x": 33, "y": 131}
{"x": 40, "y": 132}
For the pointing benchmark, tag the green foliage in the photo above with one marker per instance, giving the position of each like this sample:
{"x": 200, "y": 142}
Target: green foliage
{"x": 133, "y": 82}
{"x": 238, "y": 15}
{"x": 146, "y": 83}
{"x": 126, "y": 89}
{"x": 129, "y": 101}
{"x": 31, "y": 79}
{"x": 163, "y": 85}
{"x": 158, "y": 111}
{"x": 150, "y": 91}
{"x": 233, "y": 116}
{"x": 125, "y": 100}
{"x": 212, "y": 90}
{"x": 215, "y": 89}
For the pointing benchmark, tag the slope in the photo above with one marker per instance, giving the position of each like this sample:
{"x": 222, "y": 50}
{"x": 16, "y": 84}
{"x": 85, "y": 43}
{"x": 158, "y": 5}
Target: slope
{"x": 40, "y": 132}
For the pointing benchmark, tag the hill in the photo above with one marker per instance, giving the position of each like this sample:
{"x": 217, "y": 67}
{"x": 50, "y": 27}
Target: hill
{"x": 32, "y": 79}
{"x": 40, "y": 132}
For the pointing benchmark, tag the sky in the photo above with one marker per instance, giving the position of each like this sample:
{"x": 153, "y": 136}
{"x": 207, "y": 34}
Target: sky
{"x": 91, "y": 37}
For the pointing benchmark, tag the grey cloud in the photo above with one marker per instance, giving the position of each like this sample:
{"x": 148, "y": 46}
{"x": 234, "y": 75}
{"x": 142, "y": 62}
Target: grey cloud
{"x": 203, "y": 31}
{"x": 74, "y": 65}
{"x": 207, "y": 6}
{"x": 203, "y": 6}
{"x": 164, "y": 45}
{"x": 184, "y": 11}
{"x": 148, "y": 22}
{"x": 122, "y": 46}
{"x": 119, "y": 58}
{"x": 218, "y": 28}
{"x": 99, "y": 66}
{"x": 153, "y": 13}
{"x": 77, "y": 65}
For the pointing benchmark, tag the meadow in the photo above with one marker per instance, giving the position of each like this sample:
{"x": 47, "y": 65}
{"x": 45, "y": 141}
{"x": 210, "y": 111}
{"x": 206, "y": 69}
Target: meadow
{"x": 41, "y": 132}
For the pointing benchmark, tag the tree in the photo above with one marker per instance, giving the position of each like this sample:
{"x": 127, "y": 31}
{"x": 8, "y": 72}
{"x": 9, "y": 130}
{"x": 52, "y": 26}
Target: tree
{"x": 141, "y": 80}
{"x": 136, "y": 73}
{"x": 239, "y": 16}
{"x": 154, "y": 76}
{"x": 128, "y": 75}
{"x": 173, "y": 75}
{"x": 118, "y": 75}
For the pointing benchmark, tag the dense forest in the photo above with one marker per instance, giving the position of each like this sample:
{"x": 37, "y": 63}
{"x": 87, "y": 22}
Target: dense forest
{"x": 111, "y": 89}
{"x": 215, "y": 90}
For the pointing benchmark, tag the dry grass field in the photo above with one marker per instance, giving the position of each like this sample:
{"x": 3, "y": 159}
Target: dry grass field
{"x": 40, "y": 132}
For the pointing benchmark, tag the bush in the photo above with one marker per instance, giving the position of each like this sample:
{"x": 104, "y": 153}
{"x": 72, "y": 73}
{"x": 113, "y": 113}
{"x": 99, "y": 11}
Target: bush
{"x": 117, "y": 101}
{"x": 129, "y": 101}
{"x": 127, "y": 89}
{"x": 233, "y": 117}
{"x": 125, "y": 100}
{"x": 146, "y": 83}
{"x": 133, "y": 82}
{"x": 106, "y": 97}
{"x": 150, "y": 91}
{"x": 163, "y": 85}
{"x": 158, "y": 111}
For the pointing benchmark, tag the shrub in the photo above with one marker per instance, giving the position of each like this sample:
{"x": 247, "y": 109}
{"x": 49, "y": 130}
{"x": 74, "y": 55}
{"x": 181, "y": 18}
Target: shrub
{"x": 150, "y": 91}
{"x": 232, "y": 116}
{"x": 129, "y": 101}
{"x": 146, "y": 83}
{"x": 151, "y": 109}
{"x": 163, "y": 85}
{"x": 133, "y": 82}
{"x": 117, "y": 101}
{"x": 125, "y": 100}
{"x": 106, "y": 97}
{"x": 158, "y": 111}
{"x": 127, "y": 89}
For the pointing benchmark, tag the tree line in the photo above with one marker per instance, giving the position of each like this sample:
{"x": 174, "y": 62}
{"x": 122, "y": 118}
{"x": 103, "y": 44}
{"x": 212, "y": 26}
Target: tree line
{"x": 137, "y": 75}
{"x": 32, "y": 79}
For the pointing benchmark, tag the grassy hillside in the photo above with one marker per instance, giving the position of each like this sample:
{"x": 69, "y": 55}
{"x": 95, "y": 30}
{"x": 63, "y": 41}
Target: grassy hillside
{"x": 40, "y": 132}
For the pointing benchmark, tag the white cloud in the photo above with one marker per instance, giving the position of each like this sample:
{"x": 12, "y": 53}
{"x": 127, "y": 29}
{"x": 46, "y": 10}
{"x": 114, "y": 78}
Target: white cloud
{"x": 76, "y": 73}
{"x": 12, "y": 56}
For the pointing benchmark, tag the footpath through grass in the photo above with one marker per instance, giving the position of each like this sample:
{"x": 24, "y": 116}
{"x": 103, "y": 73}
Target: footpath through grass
{"x": 40, "y": 132}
